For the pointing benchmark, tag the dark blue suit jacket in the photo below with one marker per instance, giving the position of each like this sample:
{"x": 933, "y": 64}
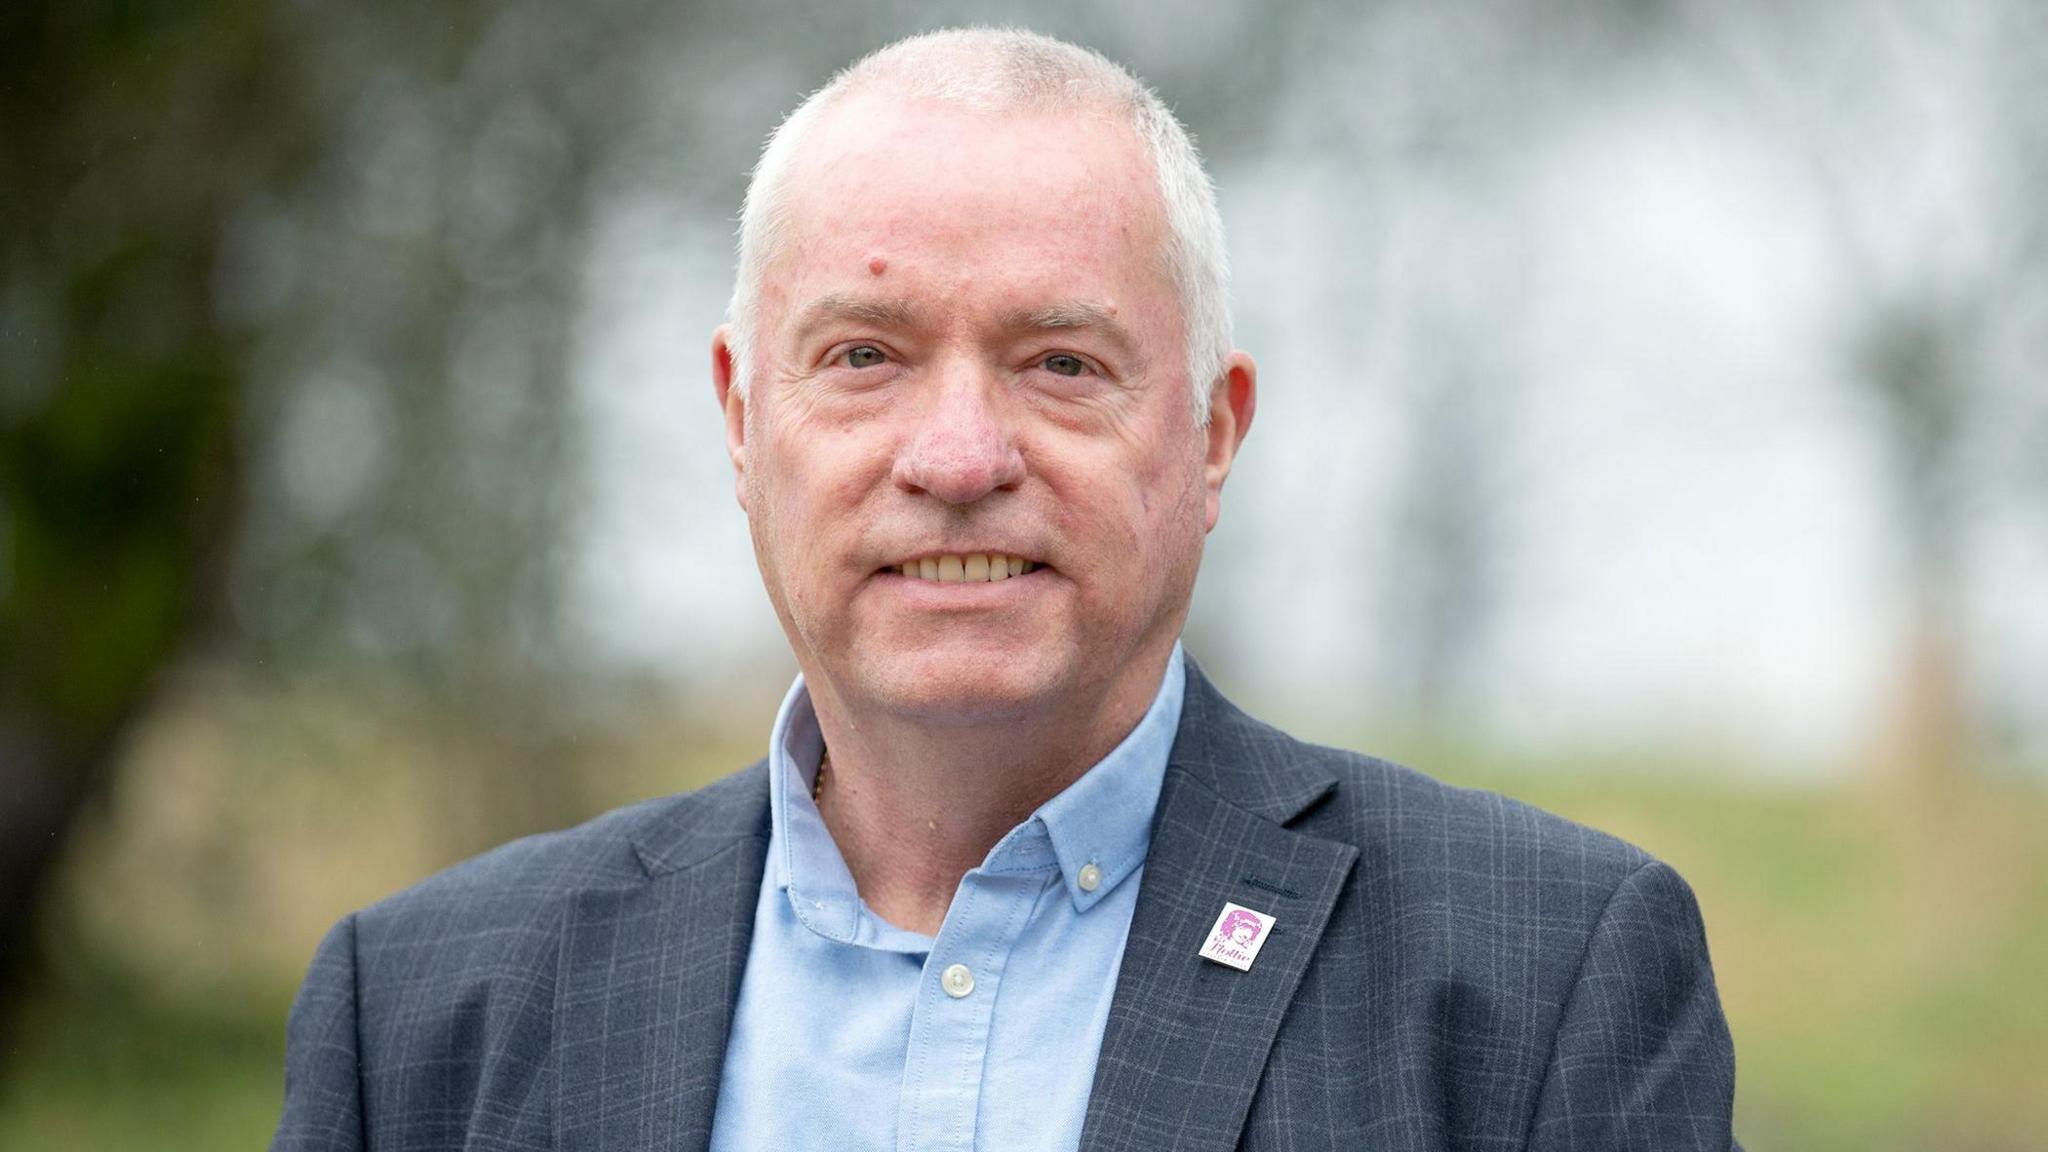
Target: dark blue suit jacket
{"x": 1449, "y": 970}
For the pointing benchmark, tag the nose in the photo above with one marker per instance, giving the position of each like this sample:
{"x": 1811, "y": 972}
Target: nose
{"x": 962, "y": 448}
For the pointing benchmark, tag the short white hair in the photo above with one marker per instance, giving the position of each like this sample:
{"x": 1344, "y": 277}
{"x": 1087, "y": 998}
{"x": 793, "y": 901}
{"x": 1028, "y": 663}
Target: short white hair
{"x": 994, "y": 70}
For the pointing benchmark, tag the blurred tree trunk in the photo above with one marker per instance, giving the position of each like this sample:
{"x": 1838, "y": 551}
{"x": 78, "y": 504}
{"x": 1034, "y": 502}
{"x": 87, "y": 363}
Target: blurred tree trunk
{"x": 1914, "y": 357}
{"x": 126, "y": 133}
{"x": 1930, "y": 737}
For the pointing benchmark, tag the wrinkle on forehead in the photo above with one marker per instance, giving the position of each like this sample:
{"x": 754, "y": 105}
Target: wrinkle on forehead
{"x": 856, "y": 153}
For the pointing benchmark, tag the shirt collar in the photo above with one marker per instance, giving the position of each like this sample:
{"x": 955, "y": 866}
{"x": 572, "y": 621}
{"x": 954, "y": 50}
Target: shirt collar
{"x": 1103, "y": 820}
{"x": 805, "y": 862}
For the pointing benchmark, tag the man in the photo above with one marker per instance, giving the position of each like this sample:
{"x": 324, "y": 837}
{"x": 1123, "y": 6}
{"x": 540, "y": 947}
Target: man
{"x": 1014, "y": 875}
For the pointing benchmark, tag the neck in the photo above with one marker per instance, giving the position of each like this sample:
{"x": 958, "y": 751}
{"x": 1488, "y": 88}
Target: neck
{"x": 914, "y": 806}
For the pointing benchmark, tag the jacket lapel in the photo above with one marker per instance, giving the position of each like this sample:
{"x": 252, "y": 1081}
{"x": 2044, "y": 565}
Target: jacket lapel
{"x": 1187, "y": 1038}
{"x": 650, "y": 973}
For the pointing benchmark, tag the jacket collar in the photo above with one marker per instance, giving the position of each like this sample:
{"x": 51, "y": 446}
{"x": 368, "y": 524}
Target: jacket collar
{"x": 700, "y": 825}
{"x": 1247, "y": 764}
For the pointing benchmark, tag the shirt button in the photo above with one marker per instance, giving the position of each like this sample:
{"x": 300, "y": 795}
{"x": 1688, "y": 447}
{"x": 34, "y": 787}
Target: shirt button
{"x": 1090, "y": 878}
{"x": 957, "y": 980}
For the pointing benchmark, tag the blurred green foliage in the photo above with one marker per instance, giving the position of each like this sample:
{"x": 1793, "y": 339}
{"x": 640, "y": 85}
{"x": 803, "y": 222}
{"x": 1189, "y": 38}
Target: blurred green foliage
{"x": 130, "y": 133}
{"x": 114, "y": 490}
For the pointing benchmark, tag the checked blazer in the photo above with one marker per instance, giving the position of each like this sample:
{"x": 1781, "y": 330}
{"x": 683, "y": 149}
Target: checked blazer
{"x": 1449, "y": 970}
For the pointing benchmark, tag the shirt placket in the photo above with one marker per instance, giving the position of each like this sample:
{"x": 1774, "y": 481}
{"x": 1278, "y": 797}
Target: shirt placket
{"x": 951, "y": 1024}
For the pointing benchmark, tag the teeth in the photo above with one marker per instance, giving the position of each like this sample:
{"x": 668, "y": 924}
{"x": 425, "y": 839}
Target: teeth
{"x": 973, "y": 568}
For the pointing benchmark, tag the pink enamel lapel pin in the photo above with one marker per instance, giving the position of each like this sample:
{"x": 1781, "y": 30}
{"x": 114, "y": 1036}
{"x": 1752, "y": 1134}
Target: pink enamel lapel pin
{"x": 1237, "y": 936}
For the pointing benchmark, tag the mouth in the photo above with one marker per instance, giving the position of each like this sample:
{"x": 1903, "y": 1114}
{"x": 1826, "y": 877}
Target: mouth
{"x": 965, "y": 567}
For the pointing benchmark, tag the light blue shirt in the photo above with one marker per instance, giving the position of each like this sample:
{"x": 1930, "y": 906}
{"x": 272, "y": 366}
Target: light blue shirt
{"x": 853, "y": 1033}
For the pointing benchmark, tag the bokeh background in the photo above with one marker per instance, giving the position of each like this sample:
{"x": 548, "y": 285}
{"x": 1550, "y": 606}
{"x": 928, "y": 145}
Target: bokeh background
{"x": 1654, "y": 427}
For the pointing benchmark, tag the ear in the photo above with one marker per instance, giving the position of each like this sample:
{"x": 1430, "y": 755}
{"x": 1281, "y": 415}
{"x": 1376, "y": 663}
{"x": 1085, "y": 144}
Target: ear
{"x": 1232, "y": 402}
{"x": 734, "y": 404}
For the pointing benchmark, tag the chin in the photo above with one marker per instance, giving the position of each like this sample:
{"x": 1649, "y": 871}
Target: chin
{"x": 964, "y": 684}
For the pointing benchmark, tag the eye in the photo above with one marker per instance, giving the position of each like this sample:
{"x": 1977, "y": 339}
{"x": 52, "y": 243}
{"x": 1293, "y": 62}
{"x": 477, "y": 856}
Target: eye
{"x": 862, "y": 356}
{"x": 1061, "y": 364}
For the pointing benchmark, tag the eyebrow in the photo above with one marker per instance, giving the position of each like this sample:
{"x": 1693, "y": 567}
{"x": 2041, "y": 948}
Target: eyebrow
{"x": 1072, "y": 315}
{"x": 838, "y": 306}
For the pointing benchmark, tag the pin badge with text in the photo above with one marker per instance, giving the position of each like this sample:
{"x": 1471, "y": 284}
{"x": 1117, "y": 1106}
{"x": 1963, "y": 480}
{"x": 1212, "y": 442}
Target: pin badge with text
{"x": 1237, "y": 937}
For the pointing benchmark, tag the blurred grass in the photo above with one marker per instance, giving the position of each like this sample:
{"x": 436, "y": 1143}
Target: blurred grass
{"x": 1881, "y": 943}
{"x": 100, "y": 1066}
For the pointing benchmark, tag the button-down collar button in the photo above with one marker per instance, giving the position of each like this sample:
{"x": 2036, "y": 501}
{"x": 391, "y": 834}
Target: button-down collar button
{"x": 957, "y": 980}
{"x": 1090, "y": 878}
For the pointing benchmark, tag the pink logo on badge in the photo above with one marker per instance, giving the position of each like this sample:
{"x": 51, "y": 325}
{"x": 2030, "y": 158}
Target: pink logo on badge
{"x": 1237, "y": 937}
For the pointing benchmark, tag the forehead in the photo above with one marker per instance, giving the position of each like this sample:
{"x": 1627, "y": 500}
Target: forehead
{"x": 1028, "y": 202}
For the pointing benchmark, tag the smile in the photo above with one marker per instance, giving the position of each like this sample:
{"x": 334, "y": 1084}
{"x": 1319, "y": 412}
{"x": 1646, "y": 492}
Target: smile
{"x": 968, "y": 568}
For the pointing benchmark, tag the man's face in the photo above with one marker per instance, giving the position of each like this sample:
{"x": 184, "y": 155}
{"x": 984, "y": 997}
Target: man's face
{"x": 968, "y": 350}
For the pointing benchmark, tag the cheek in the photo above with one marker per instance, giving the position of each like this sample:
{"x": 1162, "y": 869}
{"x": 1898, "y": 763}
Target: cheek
{"x": 815, "y": 480}
{"x": 1170, "y": 498}
{"x": 1135, "y": 515}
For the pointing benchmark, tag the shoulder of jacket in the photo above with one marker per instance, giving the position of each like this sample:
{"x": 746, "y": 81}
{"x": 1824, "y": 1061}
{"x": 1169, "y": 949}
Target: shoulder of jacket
{"x": 1408, "y": 818}
{"x": 519, "y": 881}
